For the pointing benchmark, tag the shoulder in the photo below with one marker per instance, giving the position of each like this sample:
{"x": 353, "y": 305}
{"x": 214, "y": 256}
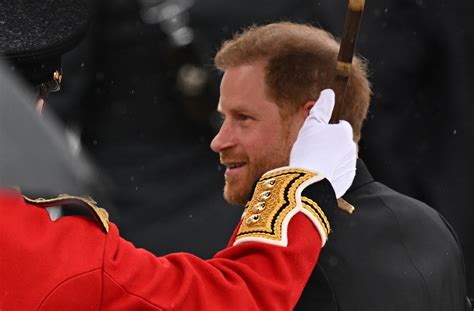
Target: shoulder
{"x": 378, "y": 198}
{"x": 391, "y": 218}
{"x": 47, "y": 255}
{"x": 28, "y": 222}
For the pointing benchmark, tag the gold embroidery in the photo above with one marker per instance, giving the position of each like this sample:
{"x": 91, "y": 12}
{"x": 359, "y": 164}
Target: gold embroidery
{"x": 265, "y": 214}
{"x": 317, "y": 212}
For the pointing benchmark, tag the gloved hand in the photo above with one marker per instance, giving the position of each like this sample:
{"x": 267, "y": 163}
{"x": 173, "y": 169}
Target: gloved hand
{"x": 327, "y": 149}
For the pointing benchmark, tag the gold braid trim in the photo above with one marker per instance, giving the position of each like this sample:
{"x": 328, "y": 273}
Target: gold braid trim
{"x": 318, "y": 213}
{"x": 276, "y": 199}
{"x": 99, "y": 214}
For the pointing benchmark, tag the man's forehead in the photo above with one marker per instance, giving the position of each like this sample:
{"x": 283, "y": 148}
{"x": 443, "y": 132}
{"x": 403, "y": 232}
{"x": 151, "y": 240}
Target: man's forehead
{"x": 243, "y": 80}
{"x": 235, "y": 105}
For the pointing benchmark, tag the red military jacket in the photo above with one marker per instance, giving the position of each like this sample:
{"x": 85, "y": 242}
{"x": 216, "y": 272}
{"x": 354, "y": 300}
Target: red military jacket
{"x": 75, "y": 264}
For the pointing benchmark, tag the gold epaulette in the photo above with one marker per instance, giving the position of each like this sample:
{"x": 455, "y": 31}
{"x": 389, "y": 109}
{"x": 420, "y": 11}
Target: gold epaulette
{"x": 99, "y": 214}
{"x": 276, "y": 199}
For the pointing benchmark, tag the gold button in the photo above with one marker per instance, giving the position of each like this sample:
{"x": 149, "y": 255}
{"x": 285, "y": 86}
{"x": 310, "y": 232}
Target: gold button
{"x": 253, "y": 219}
{"x": 266, "y": 195}
{"x": 270, "y": 183}
{"x": 260, "y": 206}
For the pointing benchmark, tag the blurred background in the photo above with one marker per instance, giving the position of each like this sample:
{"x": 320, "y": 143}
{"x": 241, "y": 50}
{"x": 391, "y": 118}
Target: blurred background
{"x": 139, "y": 94}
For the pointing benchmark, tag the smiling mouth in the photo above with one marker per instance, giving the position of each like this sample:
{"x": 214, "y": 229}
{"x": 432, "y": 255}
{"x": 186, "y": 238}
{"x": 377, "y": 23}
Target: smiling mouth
{"x": 234, "y": 165}
{"x": 233, "y": 168}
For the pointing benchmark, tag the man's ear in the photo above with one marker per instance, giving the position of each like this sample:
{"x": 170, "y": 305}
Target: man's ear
{"x": 307, "y": 107}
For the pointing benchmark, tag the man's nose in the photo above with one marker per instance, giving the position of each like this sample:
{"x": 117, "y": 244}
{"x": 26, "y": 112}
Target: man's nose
{"x": 223, "y": 139}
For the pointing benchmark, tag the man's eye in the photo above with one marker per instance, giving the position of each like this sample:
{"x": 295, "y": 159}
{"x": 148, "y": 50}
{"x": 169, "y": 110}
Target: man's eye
{"x": 243, "y": 117}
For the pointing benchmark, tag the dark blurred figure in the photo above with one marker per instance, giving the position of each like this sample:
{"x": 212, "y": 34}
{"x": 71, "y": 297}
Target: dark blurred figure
{"x": 38, "y": 155}
{"x": 32, "y": 41}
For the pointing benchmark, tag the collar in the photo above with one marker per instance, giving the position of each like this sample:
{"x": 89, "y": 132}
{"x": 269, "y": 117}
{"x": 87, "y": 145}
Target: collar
{"x": 362, "y": 177}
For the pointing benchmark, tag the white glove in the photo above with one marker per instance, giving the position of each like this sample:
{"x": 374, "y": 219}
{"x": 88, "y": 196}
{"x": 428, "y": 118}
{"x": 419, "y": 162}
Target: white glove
{"x": 327, "y": 149}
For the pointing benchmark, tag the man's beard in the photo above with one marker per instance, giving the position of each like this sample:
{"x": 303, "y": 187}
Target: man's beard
{"x": 237, "y": 190}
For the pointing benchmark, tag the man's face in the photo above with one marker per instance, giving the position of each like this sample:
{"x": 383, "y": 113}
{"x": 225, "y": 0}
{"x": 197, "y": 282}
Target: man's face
{"x": 253, "y": 138}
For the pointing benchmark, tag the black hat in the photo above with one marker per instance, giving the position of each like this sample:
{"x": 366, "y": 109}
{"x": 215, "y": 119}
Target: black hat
{"x": 34, "y": 34}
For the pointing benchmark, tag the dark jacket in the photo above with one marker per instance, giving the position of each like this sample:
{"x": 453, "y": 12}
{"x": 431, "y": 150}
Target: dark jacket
{"x": 392, "y": 253}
